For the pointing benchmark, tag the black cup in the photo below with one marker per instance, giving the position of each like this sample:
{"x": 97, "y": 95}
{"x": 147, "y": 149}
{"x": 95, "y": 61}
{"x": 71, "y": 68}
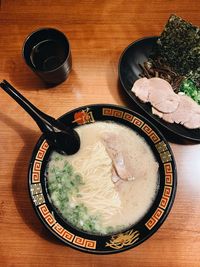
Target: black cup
{"x": 47, "y": 52}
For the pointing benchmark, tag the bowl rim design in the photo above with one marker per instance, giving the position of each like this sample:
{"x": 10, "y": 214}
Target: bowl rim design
{"x": 131, "y": 236}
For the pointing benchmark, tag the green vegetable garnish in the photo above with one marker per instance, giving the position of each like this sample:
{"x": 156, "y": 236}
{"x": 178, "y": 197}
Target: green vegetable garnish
{"x": 195, "y": 77}
{"x": 63, "y": 183}
{"x": 190, "y": 89}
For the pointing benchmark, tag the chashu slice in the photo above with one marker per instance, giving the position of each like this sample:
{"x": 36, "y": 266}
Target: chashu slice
{"x": 141, "y": 89}
{"x": 172, "y": 108}
{"x": 187, "y": 113}
{"x": 123, "y": 168}
{"x": 194, "y": 121}
{"x": 162, "y": 96}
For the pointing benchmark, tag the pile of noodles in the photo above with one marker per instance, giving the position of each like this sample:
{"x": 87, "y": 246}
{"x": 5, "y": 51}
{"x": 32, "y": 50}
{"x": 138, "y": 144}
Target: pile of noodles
{"x": 98, "y": 193}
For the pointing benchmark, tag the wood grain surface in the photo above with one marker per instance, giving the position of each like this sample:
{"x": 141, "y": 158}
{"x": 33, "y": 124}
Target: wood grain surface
{"x": 98, "y": 32}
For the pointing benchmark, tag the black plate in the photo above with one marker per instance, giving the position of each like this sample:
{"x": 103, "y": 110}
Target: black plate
{"x": 131, "y": 236}
{"x": 137, "y": 53}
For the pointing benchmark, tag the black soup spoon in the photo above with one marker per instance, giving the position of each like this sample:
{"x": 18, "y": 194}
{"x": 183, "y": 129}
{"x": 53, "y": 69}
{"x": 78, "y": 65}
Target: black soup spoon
{"x": 63, "y": 139}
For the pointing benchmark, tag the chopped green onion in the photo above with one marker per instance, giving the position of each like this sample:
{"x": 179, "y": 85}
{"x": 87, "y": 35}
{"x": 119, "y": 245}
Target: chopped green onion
{"x": 191, "y": 90}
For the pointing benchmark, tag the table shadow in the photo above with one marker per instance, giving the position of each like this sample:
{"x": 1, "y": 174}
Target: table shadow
{"x": 20, "y": 185}
{"x": 22, "y": 77}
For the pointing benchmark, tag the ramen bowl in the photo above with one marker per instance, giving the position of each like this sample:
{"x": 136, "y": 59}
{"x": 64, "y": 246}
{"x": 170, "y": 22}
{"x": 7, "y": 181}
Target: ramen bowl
{"x": 131, "y": 235}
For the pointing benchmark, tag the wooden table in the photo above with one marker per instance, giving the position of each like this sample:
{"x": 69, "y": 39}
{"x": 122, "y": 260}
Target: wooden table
{"x": 98, "y": 32}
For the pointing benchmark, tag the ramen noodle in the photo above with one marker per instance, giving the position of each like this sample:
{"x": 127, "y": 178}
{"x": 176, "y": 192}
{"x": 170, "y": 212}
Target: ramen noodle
{"x": 109, "y": 184}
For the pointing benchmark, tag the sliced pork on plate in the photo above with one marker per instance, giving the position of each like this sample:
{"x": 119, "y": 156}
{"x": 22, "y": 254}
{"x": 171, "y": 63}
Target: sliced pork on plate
{"x": 141, "y": 89}
{"x": 162, "y": 96}
{"x": 171, "y": 107}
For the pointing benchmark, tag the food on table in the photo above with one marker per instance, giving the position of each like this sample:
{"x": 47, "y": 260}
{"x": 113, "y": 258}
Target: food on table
{"x": 158, "y": 68}
{"x": 176, "y": 57}
{"x": 187, "y": 113}
{"x": 158, "y": 92}
{"x": 171, "y": 107}
{"x": 109, "y": 184}
{"x": 175, "y": 65}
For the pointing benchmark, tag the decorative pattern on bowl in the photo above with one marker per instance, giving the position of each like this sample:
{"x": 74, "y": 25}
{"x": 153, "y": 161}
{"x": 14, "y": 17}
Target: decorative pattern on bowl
{"x": 139, "y": 232}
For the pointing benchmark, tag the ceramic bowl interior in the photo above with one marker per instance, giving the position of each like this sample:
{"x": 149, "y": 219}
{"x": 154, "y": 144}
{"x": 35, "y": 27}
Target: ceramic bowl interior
{"x": 132, "y": 236}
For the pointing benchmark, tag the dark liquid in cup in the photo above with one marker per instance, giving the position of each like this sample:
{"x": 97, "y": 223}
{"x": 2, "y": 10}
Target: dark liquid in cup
{"x": 47, "y": 55}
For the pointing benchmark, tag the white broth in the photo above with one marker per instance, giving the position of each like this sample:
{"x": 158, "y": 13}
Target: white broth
{"x": 109, "y": 184}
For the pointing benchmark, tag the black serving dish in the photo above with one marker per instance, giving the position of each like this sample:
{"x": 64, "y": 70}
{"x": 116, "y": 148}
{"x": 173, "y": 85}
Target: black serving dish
{"x": 132, "y": 236}
{"x": 129, "y": 70}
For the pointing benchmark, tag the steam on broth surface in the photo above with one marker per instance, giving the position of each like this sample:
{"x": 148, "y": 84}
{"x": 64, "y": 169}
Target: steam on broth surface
{"x": 109, "y": 184}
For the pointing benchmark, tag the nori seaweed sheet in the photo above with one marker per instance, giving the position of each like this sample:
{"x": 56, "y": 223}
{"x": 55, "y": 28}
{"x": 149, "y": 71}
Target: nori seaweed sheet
{"x": 179, "y": 46}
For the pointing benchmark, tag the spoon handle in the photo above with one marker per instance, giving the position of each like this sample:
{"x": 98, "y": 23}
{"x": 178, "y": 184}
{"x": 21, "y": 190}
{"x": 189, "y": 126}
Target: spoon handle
{"x": 43, "y": 120}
